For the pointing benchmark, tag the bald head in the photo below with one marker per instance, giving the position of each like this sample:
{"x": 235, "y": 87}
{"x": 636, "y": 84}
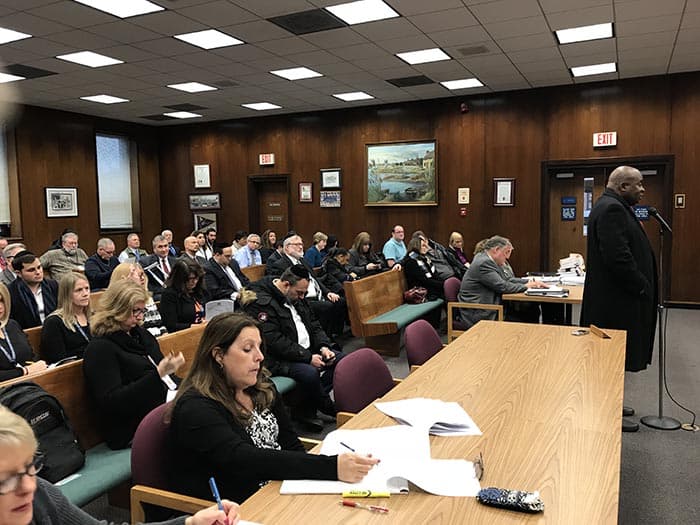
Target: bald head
{"x": 626, "y": 181}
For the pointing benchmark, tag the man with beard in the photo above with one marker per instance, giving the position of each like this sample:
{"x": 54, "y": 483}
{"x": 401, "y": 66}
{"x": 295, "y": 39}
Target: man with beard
{"x": 67, "y": 258}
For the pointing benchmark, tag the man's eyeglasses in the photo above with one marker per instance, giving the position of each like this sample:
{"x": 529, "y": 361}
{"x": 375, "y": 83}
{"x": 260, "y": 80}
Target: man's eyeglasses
{"x": 479, "y": 466}
{"x": 10, "y": 484}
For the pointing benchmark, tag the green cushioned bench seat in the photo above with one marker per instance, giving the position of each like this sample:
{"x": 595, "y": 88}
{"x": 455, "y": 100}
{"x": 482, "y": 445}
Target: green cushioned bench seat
{"x": 104, "y": 469}
{"x": 283, "y": 384}
{"x": 406, "y": 313}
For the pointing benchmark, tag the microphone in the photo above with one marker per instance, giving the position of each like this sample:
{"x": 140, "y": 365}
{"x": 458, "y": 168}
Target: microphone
{"x": 660, "y": 219}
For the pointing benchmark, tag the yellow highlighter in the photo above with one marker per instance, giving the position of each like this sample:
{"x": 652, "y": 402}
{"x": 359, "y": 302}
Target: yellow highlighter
{"x": 365, "y": 494}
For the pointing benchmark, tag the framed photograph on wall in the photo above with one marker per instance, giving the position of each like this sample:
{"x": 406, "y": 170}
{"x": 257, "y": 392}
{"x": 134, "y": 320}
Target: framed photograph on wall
{"x": 330, "y": 199}
{"x": 202, "y": 221}
{"x": 401, "y": 174}
{"x": 306, "y": 192}
{"x": 330, "y": 178}
{"x": 504, "y": 192}
{"x": 61, "y": 202}
{"x": 205, "y": 201}
{"x": 202, "y": 177}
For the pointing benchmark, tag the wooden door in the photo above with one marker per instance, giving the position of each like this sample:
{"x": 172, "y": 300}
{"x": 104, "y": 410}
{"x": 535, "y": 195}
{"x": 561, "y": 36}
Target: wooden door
{"x": 269, "y": 209}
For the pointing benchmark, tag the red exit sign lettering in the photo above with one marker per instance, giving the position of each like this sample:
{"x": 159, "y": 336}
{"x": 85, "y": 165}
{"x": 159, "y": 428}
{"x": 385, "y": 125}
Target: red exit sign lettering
{"x": 605, "y": 139}
{"x": 266, "y": 159}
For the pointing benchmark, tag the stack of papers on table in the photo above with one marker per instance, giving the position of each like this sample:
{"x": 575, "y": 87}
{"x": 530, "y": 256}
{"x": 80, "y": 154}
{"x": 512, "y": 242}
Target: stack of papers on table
{"x": 571, "y": 279}
{"x": 441, "y": 418}
{"x": 552, "y": 291}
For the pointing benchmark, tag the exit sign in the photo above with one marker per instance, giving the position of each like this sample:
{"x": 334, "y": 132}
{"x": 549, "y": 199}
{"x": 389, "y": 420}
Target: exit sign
{"x": 266, "y": 159}
{"x": 605, "y": 139}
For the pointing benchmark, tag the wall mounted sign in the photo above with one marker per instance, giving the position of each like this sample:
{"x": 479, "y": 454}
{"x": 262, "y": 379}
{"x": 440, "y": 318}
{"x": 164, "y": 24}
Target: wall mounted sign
{"x": 330, "y": 199}
{"x": 330, "y": 178}
{"x": 504, "y": 192}
{"x": 61, "y": 202}
{"x": 201, "y": 176}
{"x": 462, "y": 195}
{"x": 568, "y": 201}
{"x": 605, "y": 139}
{"x": 306, "y": 192}
{"x": 266, "y": 159}
{"x": 568, "y": 213}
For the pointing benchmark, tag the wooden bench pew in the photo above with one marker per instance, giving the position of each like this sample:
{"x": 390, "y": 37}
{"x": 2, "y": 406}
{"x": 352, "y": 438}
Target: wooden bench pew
{"x": 377, "y": 311}
{"x": 255, "y": 272}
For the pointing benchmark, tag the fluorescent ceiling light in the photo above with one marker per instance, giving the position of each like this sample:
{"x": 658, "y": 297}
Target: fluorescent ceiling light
{"x": 583, "y": 33}
{"x": 182, "y": 114}
{"x": 8, "y": 35}
{"x": 423, "y": 56}
{"x": 104, "y": 99}
{"x": 209, "y": 39}
{"x": 595, "y": 69}
{"x": 6, "y": 77}
{"x": 355, "y": 95}
{"x": 88, "y": 58}
{"x": 192, "y": 87}
{"x": 362, "y": 11}
{"x": 123, "y": 8}
{"x": 261, "y": 106}
{"x": 463, "y": 83}
{"x": 296, "y": 73}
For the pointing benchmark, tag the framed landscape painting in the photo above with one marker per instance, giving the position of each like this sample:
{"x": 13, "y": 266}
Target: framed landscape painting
{"x": 401, "y": 174}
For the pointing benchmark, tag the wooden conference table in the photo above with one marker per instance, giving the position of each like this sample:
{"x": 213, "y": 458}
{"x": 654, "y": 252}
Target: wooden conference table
{"x": 549, "y": 405}
{"x": 575, "y": 297}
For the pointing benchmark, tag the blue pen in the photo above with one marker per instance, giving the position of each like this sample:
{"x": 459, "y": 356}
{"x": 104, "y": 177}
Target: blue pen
{"x": 215, "y": 493}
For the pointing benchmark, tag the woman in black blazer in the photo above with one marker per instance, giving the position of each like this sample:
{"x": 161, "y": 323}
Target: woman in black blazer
{"x": 183, "y": 298}
{"x": 15, "y": 350}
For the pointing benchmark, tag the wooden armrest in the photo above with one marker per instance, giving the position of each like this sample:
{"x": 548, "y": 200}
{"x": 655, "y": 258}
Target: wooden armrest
{"x": 413, "y": 368}
{"x": 309, "y": 443}
{"x": 396, "y": 381}
{"x": 343, "y": 417}
{"x": 141, "y": 494}
{"x": 451, "y": 332}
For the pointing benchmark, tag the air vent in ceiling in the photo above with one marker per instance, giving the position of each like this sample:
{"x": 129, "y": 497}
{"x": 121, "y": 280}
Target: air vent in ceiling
{"x": 472, "y": 50}
{"x": 418, "y": 80}
{"x": 305, "y": 22}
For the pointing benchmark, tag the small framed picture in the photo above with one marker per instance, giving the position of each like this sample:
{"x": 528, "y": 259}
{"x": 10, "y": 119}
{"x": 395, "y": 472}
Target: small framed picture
{"x": 504, "y": 192}
{"x": 205, "y": 201}
{"x": 330, "y": 178}
{"x": 201, "y": 176}
{"x": 61, "y": 202}
{"x": 568, "y": 213}
{"x": 330, "y": 199}
{"x": 202, "y": 221}
{"x": 306, "y": 192}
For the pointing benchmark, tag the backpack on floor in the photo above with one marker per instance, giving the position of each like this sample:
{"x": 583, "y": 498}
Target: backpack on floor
{"x": 57, "y": 442}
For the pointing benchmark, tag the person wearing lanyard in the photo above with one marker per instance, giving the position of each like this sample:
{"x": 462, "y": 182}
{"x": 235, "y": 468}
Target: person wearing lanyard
{"x": 15, "y": 351}
{"x": 125, "y": 372}
{"x": 66, "y": 332}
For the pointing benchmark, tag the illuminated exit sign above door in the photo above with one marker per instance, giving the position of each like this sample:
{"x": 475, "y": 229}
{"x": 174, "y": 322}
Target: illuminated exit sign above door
{"x": 266, "y": 159}
{"x": 605, "y": 139}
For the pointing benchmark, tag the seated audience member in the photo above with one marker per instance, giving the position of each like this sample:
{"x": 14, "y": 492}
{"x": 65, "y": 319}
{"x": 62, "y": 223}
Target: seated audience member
{"x": 269, "y": 239}
{"x": 100, "y": 265}
{"x": 16, "y": 356}
{"x": 314, "y": 255}
{"x": 28, "y": 499}
{"x": 158, "y": 266}
{"x": 210, "y": 234}
{"x": 8, "y": 275}
{"x": 203, "y": 250}
{"x": 275, "y": 256}
{"x": 68, "y": 258}
{"x": 189, "y": 252}
{"x": 125, "y": 372}
{"x": 152, "y": 320}
{"x": 239, "y": 240}
{"x": 365, "y": 262}
{"x": 183, "y": 298}
{"x": 446, "y": 265}
{"x": 249, "y": 255}
{"x": 58, "y": 242}
{"x": 173, "y": 250}
{"x": 420, "y": 270}
{"x": 295, "y": 344}
{"x": 66, "y": 332}
{"x": 223, "y": 277}
{"x": 33, "y": 297}
{"x": 3, "y": 244}
{"x": 133, "y": 251}
{"x": 489, "y": 276}
{"x": 229, "y": 422}
{"x": 456, "y": 248}
{"x": 335, "y": 270}
{"x": 333, "y": 242}
{"x": 394, "y": 249}
{"x": 328, "y": 306}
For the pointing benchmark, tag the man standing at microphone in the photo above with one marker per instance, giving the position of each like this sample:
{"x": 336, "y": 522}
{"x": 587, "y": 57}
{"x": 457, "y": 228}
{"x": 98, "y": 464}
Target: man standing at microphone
{"x": 621, "y": 290}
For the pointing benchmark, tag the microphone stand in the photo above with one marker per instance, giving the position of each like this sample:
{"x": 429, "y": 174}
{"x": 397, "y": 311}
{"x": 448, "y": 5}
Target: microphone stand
{"x": 661, "y": 422}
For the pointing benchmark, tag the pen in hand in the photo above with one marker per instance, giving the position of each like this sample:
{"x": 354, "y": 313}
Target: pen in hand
{"x": 348, "y": 447}
{"x": 217, "y": 497}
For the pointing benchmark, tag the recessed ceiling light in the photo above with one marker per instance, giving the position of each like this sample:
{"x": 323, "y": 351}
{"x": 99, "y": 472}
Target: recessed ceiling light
{"x": 296, "y": 73}
{"x": 104, "y": 99}
{"x": 8, "y": 35}
{"x": 355, "y": 95}
{"x": 261, "y": 106}
{"x": 463, "y": 83}
{"x": 88, "y": 58}
{"x": 209, "y": 39}
{"x": 423, "y": 56}
{"x": 583, "y": 33}
{"x": 123, "y": 8}
{"x": 595, "y": 69}
{"x": 6, "y": 77}
{"x": 362, "y": 11}
{"x": 192, "y": 87}
{"x": 182, "y": 114}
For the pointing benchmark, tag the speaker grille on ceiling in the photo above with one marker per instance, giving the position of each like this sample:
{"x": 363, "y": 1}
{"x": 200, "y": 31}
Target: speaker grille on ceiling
{"x": 418, "y": 80}
{"x": 310, "y": 21}
{"x": 472, "y": 50}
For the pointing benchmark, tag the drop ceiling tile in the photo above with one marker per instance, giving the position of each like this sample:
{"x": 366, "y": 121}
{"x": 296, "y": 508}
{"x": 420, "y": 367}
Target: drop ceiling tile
{"x": 589, "y": 60}
{"x": 666, "y": 38}
{"x": 256, "y": 31}
{"x": 287, "y": 46}
{"x": 166, "y": 47}
{"x": 42, "y": 47}
{"x": 10, "y": 55}
{"x": 26, "y": 4}
{"x": 547, "y": 82}
{"x": 168, "y": 23}
{"x": 82, "y": 40}
{"x": 458, "y": 37}
{"x": 545, "y": 65}
{"x": 555, "y": 6}
{"x": 212, "y": 13}
{"x": 33, "y": 25}
{"x": 269, "y": 9}
{"x": 359, "y": 51}
{"x": 444, "y": 20}
{"x": 131, "y": 71}
{"x": 124, "y": 32}
{"x": 335, "y": 38}
{"x": 648, "y": 25}
{"x": 428, "y": 91}
{"x": 387, "y": 29}
{"x": 688, "y": 35}
{"x": 378, "y": 62}
{"x": 412, "y": 43}
{"x": 691, "y": 20}
{"x": 416, "y": 7}
{"x": 503, "y": 10}
{"x": 594, "y": 47}
{"x": 72, "y": 13}
{"x": 340, "y": 68}
{"x": 203, "y": 59}
{"x": 645, "y": 53}
{"x": 520, "y": 27}
{"x": 636, "y": 9}
{"x": 535, "y": 55}
{"x": 244, "y": 53}
{"x": 555, "y": 76}
{"x": 491, "y": 63}
{"x": 446, "y": 70}
{"x": 313, "y": 58}
{"x": 596, "y": 78}
{"x": 520, "y": 43}
{"x": 161, "y": 65}
{"x": 581, "y": 17}
{"x": 233, "y": 70}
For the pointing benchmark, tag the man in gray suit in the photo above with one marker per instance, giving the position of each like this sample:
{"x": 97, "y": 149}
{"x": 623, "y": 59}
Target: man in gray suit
{"x": 8, "y": 275}
{"x": 489, "y": 277}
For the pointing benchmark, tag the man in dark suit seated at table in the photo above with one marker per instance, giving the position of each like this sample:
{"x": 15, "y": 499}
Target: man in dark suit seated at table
{"x": 488, "y": 278}
{"x": 158, "y": 266}
{"x": 295, "y": 344}
{"x": 222, "y": 274}
{"x": 33, "y": 297}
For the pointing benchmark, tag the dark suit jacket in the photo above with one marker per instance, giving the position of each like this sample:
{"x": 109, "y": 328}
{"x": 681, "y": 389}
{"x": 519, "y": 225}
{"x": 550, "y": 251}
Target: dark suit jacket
{"x": 22, "y": 348}
{"x": 156, "y": 275}
{"x": 177, "y": 309}
{"x": 197, "y": 258}
{"x": 284, "y": 262}
{"x": 21, "y": 313}
{"x": 98, "y": 271}
{"x": 621, "y": 282}
{"x": 218, "y": 284}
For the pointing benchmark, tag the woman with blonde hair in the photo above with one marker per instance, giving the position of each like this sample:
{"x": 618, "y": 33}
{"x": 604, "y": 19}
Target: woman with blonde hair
{"x": 15, "y": 350}
{"x": 66, "y": 332}
{"x": 126, "y": 374}
{"x": 152, "y": 320}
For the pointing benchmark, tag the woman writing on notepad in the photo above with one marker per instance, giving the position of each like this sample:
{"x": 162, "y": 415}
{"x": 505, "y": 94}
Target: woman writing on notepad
{"x": 228, "y": 421}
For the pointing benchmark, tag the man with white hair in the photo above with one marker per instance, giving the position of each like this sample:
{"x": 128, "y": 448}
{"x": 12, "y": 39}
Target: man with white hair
{"x": 68, "y": 258}
{"x": 249, "y": 255}
{"x": 101, "y": 264}
{"x": 173, "y": 250}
